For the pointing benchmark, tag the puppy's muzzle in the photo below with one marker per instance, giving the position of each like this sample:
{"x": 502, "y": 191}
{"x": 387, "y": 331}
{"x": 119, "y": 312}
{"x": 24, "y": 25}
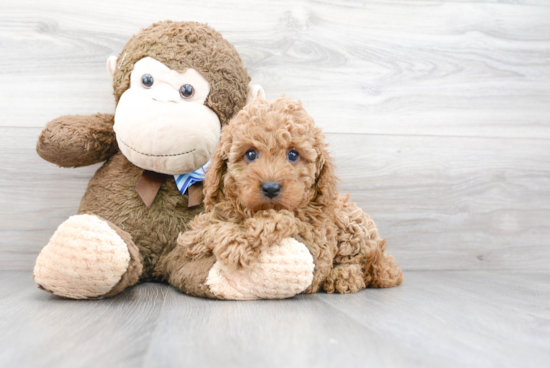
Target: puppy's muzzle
{"x": 271, "y": 189}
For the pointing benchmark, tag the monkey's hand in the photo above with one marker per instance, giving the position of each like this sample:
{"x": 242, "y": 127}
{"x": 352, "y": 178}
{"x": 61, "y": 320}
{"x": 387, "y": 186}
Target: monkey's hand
{"x": 78, "y": 140}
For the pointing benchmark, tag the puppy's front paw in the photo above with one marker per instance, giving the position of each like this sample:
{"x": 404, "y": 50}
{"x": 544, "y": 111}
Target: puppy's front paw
{"x": 281, "y": 271}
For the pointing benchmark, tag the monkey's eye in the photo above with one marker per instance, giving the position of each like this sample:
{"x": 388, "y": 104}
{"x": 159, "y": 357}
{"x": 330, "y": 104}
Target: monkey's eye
{"x": 293, "y": 156}
{"x": 147, "y": 80}
{"x": 187, "y": 90}
{"x": 250, "y": 155}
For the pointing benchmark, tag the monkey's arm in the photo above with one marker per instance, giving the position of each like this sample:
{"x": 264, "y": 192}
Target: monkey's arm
{"x": 78, "y": 140}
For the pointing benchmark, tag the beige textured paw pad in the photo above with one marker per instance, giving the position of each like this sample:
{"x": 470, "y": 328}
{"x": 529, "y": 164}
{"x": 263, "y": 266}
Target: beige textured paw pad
{"x": 281, "y": 271}
{"x": 85, "y": 258}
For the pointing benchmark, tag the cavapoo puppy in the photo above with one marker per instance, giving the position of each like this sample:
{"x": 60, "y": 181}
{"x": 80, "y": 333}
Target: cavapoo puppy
{"x": 275, "y": 224}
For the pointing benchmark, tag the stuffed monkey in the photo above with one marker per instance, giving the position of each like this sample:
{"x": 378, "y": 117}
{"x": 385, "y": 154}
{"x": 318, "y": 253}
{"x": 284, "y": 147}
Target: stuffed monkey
{"x": 175, "y": 85}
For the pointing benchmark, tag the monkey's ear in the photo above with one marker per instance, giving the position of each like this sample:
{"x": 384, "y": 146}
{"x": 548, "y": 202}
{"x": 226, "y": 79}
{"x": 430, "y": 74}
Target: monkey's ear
{"x": 111, "y": 65}
{"x": 255, "y": 91}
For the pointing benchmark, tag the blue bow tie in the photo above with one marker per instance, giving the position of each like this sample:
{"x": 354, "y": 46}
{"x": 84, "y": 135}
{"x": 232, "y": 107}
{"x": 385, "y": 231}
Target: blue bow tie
{"x": 184, "y": 181}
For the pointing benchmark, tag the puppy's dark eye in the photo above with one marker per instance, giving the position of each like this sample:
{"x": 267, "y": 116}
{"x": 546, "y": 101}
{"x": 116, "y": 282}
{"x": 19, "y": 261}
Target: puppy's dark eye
{"x": 250, "y": 155}
{"x": 187, "y": 90}
{"x": 147, "y": 80}
{"x": 293, "y": 156}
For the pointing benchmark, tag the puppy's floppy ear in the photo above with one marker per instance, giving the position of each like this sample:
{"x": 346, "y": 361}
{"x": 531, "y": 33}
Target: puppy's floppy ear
{"x": 213, "y": 182}
{"x": 325, "y": 183}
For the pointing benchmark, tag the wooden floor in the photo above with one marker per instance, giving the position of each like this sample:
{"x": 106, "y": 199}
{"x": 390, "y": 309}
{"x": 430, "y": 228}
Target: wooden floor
{"x": 435, "y": 319}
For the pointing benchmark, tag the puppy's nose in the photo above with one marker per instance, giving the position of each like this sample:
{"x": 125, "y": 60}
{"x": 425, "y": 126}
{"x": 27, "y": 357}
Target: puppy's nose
{"x": 271, "y": 189}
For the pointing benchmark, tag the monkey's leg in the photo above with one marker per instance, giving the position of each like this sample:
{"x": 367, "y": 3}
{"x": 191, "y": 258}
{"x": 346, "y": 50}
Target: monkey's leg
{"x": 88, "y": 258}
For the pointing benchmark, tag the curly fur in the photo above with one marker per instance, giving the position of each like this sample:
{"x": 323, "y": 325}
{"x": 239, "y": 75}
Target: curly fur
{"x": 240, "y": 221}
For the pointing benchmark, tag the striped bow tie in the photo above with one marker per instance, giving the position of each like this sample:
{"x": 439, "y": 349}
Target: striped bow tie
{"x": 184, "y": 181}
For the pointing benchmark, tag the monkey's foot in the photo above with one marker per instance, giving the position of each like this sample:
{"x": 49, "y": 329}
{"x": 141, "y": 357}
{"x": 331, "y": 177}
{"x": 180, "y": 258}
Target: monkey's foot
{"x": 281, "y": 271}
{"x": 345, "y": 279}
{"x": 88, "y": 258}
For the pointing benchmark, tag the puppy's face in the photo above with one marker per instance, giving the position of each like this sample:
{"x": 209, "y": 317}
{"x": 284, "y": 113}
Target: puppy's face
{"x": 273, "y": 160}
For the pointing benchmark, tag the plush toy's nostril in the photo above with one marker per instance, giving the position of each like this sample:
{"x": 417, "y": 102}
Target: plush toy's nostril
{"x": 271, "y": 189}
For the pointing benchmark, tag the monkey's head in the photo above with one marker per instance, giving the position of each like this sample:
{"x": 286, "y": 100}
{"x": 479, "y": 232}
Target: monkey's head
{"x": 175, "y": 85}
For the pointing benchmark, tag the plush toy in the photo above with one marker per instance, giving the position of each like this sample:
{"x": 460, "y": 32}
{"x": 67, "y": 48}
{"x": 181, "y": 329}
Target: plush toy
{"x": 175, "y": 84}
{"x": 273, "y": 211}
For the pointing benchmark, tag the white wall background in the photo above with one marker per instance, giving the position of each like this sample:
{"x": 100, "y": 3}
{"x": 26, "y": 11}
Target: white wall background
{"x": 437, "y": 112}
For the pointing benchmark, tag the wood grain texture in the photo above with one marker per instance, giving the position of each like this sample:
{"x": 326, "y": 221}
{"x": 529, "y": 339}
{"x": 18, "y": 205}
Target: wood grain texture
{"x": 436, "y": 112}
{"x": 40, "y": 329}
{"x": 465, "y": 318}
{"x": 479, "y": 203}
{"x": 299, "y": 332}
{"x": 384, "y": 67}
{"x": 434, "y": 319}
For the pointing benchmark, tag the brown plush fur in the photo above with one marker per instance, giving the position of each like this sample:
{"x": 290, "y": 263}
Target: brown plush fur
{"x": 135, "y": 267}
{"x": 182, "y": 45}
{"x": 240, "y": 221}
{"x": 181, "y": 269}
{"x": 72, "y": 141}
{"x": 111, "y": 195}
{"x": 78, "y": 140}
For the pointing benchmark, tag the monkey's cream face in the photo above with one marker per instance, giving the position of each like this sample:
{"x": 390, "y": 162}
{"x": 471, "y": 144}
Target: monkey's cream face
{"x": 161, "y": 122}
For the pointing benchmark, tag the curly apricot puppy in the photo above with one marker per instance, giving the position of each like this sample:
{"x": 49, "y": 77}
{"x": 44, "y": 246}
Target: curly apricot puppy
{"x": 271, "y": 179}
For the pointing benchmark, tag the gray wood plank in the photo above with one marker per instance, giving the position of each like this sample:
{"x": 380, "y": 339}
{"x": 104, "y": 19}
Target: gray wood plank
{"x": 299, "y": 332}
{"x": 384, "y": 67}
{"x": 447, "y": 319}
{"x": 434, "y": 319}
{"x": 41, "y": 330}
{"x": 442, "y": 202}
{"x": 469, "y": 319}
{"x": 502, "y": 2}
{"x": 452, "y": 203}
